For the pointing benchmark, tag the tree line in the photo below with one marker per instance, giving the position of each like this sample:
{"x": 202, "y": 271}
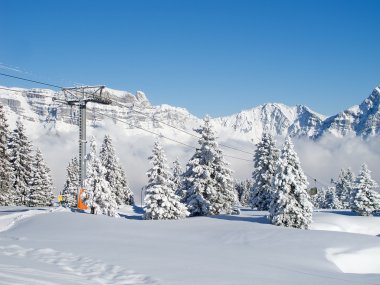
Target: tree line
{"x": 348, "y": 192}
{"x": 206, "y": 187}
{"x": 24, "y": 177}
{"x": 106, "y": 186}
{"x": 278, "y": 185}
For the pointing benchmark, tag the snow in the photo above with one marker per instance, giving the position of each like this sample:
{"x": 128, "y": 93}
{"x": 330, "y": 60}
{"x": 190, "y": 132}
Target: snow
{"x": 354, "y": 109}
{"x": 272, "y": 117}
{"x": 64, "y": 247}
{"x": 181, "y": 111}
{"x": 9, "y": 217}
{"x": 81, "y": 269}
{"x": 346, "y": 221}
{"x": 118, "y": 93}
{"x": 364, "y": 261}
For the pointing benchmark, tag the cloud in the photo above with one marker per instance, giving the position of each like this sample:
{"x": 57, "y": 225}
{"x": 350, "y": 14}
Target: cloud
{"x": 325, "y": 158}
{"x": 322, "y": 159}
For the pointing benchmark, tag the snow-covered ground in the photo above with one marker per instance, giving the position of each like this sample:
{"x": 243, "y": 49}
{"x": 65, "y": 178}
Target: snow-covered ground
{"x": 57, "y": 246}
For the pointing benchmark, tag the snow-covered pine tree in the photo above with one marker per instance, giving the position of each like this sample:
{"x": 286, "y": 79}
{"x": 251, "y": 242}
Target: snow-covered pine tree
{"x": 344, "y": 187}
{"x": 177, "y": 175}
{"x": 291, "y": 206}
{"x": 243, "y": 189}
{"x": 41, "y": 191}
{"x": 71, "y": 187}
{"x": 114, "y": 173}
{"x": 208, "y": 187}
{"x": 366, "y": 200}
{"x": 265, "y": 161}
{"x": 160, "y": 201}
{"x": 128, "y": 194}
{"x": 22, "y": 161}
{"x": 6, "y": 171}
{"x": 319, "y": 200}
{"x": 98, "y": 195}
{"x": 331, "y": 199}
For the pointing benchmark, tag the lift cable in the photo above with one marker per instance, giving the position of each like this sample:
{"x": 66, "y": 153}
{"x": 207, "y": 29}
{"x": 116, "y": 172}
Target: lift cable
{"x": 316, "y": 180}
{"x": 174, "y": 127}
{"x": 60, "y": 87}
{"x": 28, "y": 92}
{"x": 161, "y": 135}
{"x": 131, "y": 108}
{"x": 30, "y": 80}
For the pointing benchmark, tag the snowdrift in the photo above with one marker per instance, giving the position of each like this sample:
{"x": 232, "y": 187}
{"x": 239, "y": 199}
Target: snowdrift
{"x": 64, "y": 247}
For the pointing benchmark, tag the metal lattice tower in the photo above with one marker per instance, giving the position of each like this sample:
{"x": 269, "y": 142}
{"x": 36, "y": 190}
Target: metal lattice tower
{"x": 80, "y": 96}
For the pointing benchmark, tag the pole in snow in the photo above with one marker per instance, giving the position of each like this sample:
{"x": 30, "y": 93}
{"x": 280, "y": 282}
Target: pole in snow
{"x": 80, "y": 96}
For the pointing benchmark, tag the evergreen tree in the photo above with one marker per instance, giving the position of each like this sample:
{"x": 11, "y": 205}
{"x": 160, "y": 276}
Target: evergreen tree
{"x": 114, "y": 173}
{"x": 366, "y": 201}
{"x": 160, "y": 200}
{"x": 128, "y": 194}
{"x": 177, "y": 174}
{"x": 319, "y": 200}
{"x": 243, "y": 189}
{"x": 331, "y": 199}
{"x": 6, "y": 171}
{"x": 291, "y": 206}
{"x": 344, "y": 187}
{"x": 265, "y": 160}
{"x": 41, "y": 193}
{"x": 71, "y": 187}
{"x": 22, "y": 161}
{"x": 98, "y": 195}
{"x": 207, "y": 187}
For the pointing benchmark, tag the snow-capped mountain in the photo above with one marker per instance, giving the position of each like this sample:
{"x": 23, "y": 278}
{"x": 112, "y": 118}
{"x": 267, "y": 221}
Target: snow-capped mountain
{"x": 37, "y": 105}
{"x": 277, "y": 119}
{"x": 362, "y": 120}
{"x": 52, "y": 127}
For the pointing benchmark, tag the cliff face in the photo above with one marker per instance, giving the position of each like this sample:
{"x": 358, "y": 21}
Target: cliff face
{"x": 37, "y": 105}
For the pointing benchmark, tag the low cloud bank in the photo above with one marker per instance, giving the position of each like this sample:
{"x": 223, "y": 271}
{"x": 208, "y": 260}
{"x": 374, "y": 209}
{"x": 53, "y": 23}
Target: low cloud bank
{"x": 321, "y": 159}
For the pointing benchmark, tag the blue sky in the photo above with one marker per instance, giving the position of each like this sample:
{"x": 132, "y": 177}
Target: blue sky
{"x": 211, "y": 57}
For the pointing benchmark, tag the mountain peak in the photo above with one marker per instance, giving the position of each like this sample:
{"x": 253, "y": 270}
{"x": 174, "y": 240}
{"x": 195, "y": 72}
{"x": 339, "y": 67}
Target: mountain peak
{"x": 127, "y": 97}
{"x": 276, "y": 118}
{"x": 140, "y": 96}
{"x": 373, "y": 101}
{"x": 375, "y": 93}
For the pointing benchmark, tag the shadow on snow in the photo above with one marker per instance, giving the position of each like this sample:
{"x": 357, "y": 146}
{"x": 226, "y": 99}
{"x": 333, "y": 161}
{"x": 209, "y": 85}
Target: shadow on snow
{"x": 137, "y": 217}
{"x": 259, "y": 219}
{"x": 139, "y": 211}
{"x": 21, "y": 210}
{"x": 345, "y": 212}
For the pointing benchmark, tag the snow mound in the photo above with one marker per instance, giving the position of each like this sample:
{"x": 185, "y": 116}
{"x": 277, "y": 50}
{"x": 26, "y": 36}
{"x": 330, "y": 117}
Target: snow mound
{"x": 9, "y": 220}
{"x": 77, "y": 269}
{"x": 365, "y": 261}
{"x": 78, "y": 248}
{"x": 345, "y": 221}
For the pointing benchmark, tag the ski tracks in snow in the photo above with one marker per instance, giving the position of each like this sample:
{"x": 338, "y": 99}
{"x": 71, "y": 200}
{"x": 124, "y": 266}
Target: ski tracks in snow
{"x": 46, "y": 266}
{"x": 74, "y": 268}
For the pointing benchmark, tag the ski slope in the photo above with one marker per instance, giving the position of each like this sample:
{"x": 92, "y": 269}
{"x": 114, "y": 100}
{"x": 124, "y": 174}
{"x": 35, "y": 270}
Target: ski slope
{"x": 57, "y": 246}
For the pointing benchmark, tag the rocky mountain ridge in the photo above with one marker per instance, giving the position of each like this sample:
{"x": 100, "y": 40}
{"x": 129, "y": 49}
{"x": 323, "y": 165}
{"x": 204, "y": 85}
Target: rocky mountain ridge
{"x": 278, "y": 119}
